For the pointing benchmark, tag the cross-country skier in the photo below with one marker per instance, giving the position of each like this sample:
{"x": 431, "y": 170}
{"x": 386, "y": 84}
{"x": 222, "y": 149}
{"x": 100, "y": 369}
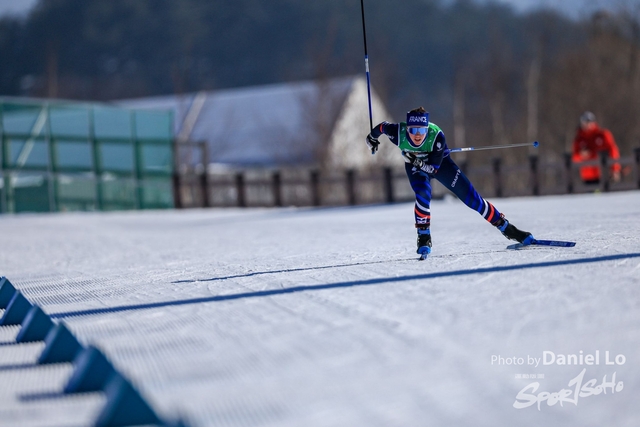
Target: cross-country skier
{"x": 426, "y": 155}
{"x": 589, "y": 141}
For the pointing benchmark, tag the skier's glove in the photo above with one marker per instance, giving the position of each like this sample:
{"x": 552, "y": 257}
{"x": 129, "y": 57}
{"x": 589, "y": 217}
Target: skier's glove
{"x": 372, "y": 143}
{"x": 417, "y": 163}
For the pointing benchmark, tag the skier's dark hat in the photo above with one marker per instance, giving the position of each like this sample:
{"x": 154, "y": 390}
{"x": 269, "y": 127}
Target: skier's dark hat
{"x": 415, "y": 118}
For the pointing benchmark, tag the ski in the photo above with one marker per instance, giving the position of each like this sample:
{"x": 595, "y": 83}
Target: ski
{"x": 423, "y": 256}
{"x": 535, "y": 242}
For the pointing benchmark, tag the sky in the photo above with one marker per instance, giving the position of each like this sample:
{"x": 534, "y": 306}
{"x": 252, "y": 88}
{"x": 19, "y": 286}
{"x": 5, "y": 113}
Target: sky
{"x": 15, "y": 7}
{"x": 573, "y": 8}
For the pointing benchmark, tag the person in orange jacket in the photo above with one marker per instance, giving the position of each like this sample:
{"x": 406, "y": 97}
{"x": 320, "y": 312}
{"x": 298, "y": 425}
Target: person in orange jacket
{"x": 590, "y": 140}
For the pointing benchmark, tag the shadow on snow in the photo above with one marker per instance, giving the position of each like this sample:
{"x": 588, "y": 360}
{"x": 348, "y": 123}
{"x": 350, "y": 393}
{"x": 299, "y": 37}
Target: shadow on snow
{"x": 288, "y": 270}
{"x": 366, "y": 282}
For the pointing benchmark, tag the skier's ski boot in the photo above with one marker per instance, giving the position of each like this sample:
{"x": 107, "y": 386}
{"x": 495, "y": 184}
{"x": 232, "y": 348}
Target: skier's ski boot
{"x": 424, "y": 242}
{"x": 510, "y": 231}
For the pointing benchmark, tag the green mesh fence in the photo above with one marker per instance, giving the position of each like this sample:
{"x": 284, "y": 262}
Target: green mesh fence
{"x": 63, "y": 156}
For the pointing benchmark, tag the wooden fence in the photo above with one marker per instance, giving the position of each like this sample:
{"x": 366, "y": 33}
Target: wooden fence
{"x": 193, "y": 187}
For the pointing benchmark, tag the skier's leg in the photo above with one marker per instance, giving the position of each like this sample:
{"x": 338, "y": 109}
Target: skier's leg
{"x": 421, "y": 185}
{"x": 457, "y": 182}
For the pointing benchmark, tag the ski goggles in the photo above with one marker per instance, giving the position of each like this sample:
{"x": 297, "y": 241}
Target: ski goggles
{"x": 417, "y": 131}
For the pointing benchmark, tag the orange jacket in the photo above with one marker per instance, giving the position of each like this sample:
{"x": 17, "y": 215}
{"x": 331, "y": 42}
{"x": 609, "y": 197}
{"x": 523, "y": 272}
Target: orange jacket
{"x": 588, "y": 144}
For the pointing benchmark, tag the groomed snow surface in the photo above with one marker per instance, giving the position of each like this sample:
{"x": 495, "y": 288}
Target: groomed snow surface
{"x": 324, "y": 317}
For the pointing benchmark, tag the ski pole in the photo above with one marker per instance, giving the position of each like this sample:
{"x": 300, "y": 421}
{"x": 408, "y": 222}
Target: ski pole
{"x": 494, "y": 147}
{"x": 366, "y": 67}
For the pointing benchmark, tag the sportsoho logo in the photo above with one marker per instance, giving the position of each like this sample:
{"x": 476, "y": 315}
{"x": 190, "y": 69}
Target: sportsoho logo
{"x": 578, "y": 387}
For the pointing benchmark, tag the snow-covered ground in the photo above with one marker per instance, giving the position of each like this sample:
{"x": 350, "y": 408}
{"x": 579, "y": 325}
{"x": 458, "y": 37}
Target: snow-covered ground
{"x": 324, "y": 317}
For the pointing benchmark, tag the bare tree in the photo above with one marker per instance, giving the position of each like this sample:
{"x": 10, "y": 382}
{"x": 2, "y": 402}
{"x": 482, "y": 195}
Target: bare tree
{"x": 601, "y": 76}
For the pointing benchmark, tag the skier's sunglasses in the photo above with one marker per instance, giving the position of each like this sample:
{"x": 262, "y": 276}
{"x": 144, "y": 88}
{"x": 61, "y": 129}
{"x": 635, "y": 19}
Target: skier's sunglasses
{"x": 416, "y": 131}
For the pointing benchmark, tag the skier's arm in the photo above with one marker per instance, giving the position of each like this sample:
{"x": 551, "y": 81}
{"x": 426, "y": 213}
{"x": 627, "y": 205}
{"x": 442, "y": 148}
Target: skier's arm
{"x": 436, "y": 156}
{"x": 612, "y": 150}
{"x": 577, "y": 155}
{"x": 429, "y": 163}
{"x": 386, "y": 128}
{"x": 380, "y": 129}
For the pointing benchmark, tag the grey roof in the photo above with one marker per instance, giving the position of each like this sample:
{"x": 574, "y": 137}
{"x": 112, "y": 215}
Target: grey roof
{"x": 265, "y": 125}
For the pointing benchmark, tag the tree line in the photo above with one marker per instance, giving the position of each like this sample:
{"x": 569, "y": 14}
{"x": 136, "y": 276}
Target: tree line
{"x": 487, "y": 74}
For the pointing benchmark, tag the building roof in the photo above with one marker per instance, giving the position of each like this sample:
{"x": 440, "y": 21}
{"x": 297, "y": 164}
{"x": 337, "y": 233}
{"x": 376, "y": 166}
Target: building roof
{"x": 261, "y": 126}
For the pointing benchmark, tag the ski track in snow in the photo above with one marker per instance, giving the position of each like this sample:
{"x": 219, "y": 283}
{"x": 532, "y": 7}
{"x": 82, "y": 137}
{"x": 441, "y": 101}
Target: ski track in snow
{"x": 324, "y": 317}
